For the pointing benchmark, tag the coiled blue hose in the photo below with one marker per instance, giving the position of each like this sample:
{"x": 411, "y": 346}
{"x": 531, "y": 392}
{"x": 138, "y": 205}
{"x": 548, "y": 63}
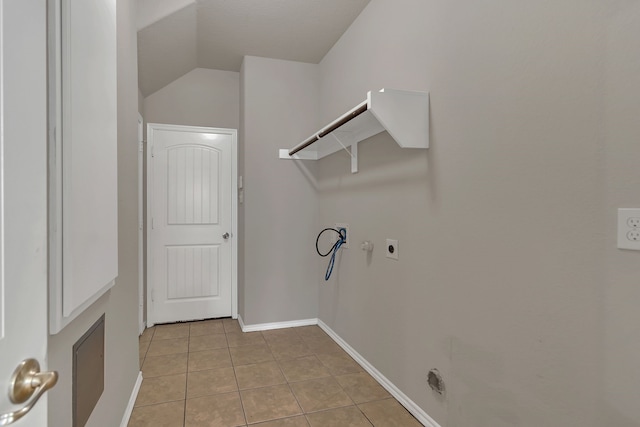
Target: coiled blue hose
{"x": 333, "y": 250}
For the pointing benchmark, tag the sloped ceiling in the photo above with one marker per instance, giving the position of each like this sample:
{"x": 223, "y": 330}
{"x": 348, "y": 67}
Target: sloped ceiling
{"x": 176, "y": 36}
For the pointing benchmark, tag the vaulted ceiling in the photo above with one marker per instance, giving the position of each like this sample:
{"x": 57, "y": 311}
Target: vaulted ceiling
{"x": 176, "y": 36}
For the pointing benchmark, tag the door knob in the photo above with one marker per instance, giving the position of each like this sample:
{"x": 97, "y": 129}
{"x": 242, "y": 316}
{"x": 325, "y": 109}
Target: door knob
{"x": 27, "y": 381}
{"x": 225, "y": 236}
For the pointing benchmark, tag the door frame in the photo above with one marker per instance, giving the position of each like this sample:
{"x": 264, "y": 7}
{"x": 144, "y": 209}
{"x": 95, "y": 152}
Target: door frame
{"x": 151, "y": 127}
{"x": 141, "y": 323}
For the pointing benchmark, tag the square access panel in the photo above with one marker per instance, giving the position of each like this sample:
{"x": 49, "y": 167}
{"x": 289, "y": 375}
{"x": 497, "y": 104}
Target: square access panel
{"x": 88, "y": 372}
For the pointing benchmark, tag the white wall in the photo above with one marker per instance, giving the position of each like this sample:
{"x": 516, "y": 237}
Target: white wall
{"x": 150, "y": 11}
{"x": 120, "y": 304}
{"x": 201, "y": 97}
{"x": 280, "y": 204}
{"x": 498, "y": 285}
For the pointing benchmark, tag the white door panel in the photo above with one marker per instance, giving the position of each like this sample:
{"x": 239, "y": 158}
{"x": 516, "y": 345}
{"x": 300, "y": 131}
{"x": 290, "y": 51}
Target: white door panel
{"x": 192, "y": 207}
{"x": 192, "y": 271}
{"x": 23, "y": 196}
{"x": 193, "y": 195}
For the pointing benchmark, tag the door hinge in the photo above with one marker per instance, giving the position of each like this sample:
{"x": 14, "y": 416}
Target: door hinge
{"x": 153, "y": 294}
{"x": 141, "y": 146}
{"x": 152, "y": 152}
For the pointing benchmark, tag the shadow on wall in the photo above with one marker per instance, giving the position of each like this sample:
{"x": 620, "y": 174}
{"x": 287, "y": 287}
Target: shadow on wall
{"x": 390, "y": 166}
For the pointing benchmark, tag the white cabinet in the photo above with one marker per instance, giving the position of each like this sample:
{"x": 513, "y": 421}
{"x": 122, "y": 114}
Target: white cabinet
{"x": 83, "y": 226}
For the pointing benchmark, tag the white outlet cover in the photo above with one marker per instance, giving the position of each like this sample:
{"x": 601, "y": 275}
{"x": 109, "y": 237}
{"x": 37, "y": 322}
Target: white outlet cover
{"x": 392, "y": 253}
{"x": 628, "y": 231}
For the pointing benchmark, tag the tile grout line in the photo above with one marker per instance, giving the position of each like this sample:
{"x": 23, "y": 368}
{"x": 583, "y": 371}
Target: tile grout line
{"x": 186, "y": 385}
{"x": 331, "y": 375}
{"x": 289, "y": 386}
{"x": 235, "y": 376}
{"x": 304, "y": 413}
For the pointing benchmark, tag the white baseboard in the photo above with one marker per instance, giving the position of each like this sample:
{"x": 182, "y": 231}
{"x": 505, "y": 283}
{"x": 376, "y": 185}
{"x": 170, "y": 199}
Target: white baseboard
{"x": 240, "y": 322}
{"x": 411, "y": 406}
{"x": 142, "y": 327}
{"x": 132, "y": 401}
{"x": 275, "y": 325}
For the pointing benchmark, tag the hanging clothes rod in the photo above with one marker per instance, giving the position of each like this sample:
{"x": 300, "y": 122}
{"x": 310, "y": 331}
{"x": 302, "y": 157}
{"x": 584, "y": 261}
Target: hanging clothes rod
{"x": 346, "y": 118}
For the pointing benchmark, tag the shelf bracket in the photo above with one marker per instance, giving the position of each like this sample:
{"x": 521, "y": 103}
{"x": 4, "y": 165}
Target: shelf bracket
{"x": 354, "y": 157}
{"x": 353, "y": 152}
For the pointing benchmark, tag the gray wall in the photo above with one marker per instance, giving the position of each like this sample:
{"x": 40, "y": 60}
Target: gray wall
{"x": 508, "y": 280}
{"x": 201, "y": 97}
{"x": 140, "y": 103}
{"x": 280, "y": 109}
{"x": 621, "y": 293}
{"x": 121, "y": 303}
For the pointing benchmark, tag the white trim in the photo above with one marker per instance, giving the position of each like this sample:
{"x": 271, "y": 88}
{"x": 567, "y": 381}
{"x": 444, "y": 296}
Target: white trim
{"x": 409, "y": 404}
{"x": 132, "y": 401}
{"x": 275, "y": 325}
{"x": 140, "y": 151}
{"x": 234, "y": 209}
{"x": 241, "y": 323}
{"x": 234, "y": 228}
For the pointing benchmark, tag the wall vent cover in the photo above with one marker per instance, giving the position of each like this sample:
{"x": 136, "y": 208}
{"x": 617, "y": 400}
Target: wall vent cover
{"x": 88, "y": 372}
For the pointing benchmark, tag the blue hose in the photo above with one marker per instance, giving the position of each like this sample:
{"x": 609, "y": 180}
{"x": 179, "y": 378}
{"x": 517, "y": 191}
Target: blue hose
{"x": 333, "y": 251}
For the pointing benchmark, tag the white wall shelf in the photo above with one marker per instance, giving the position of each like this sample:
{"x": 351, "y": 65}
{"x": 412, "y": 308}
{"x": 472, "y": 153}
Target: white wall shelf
{"x": 404, "y": 114}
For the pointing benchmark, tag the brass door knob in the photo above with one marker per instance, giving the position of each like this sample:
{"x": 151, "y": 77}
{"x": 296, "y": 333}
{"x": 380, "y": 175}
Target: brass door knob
{"x": 27, "y": 381}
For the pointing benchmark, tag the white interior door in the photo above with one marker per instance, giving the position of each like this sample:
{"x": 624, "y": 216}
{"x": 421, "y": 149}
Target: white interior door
{"x": 192, "y": 222}
{"x": 23, "y": 197}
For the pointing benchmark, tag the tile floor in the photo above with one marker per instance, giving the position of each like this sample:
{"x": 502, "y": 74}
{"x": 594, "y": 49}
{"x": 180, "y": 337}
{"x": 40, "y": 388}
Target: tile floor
{"x": 211, "y": 374}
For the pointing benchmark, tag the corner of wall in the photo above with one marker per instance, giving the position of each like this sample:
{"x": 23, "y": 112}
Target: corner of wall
{"x": 280, "y": 199}
{"x": 241, "y": 212}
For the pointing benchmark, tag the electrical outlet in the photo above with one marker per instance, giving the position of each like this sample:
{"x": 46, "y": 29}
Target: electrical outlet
{"x": 629, "y": 229}
{"x": 341, "y": 226}
{"x": 633, "y": 222}
{"x": 392, "y": 249}
{"x": 634, "y": 235}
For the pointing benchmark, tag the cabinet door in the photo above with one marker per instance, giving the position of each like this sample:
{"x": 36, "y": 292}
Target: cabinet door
{"x": 84, "y": 173}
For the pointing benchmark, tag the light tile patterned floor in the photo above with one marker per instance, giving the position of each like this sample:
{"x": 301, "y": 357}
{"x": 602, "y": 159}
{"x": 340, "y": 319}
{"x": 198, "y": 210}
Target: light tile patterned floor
{"x": 211, "y": 374}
